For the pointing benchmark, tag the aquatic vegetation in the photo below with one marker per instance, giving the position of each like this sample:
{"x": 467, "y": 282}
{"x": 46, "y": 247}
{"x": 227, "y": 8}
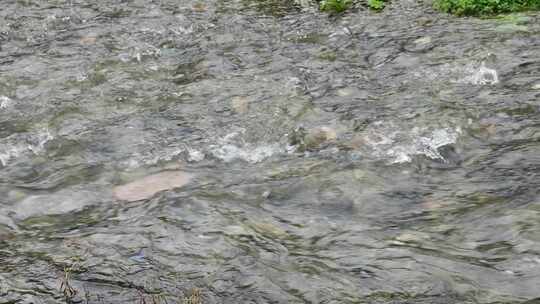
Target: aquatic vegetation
{"x": 485, "y": 7}
{"x": 338, "y": 6}
{"x": 66, "y": 287}
{"x": 281, "y": 8}
{"x": 376, "y": 4}
{"x": 328, "y": 55}
{"x": 335, "y": 6}
{"x": 143, "y": 297}
{"x": 278, "y": 8}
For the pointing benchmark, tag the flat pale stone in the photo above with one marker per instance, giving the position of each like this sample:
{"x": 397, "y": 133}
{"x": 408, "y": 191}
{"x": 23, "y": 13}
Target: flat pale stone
{"x": 147, "y": 186}
{"x": 61, "y": 202}
{"x": 423, "y": 40}
{"x": 88, "y": 40}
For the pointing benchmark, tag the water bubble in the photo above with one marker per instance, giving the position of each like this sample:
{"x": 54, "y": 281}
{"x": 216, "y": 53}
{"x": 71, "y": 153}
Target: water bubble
{"x": 387, "y": 140}
{"x": 469, "y": 73}
{"x": 5, "y": 102}
{"x": 483, "y": 76}
{"x": 19, "y": 144}
{"x": 249, "y": 153}
{"x": 195, "y": 155}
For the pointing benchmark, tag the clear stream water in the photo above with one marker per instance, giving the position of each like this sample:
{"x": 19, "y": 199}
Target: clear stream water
{"x": 386, "y": 157}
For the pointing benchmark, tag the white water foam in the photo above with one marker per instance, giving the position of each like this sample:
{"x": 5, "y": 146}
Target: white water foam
{"x": 480, "y": 75}
{"x": 156, "y": 155}
{"x": 248, "y": 153}
{"x": 19, "y": 144}
{"x": 194, "y": 155}
{"x": 388, "y": 141}
{"x": 232, "y": 147}
{"x": 8, "y": 152}
{"x": 5, "y": 102}
{"x": 470, "y": 73}
{"x": 152, "y": 157}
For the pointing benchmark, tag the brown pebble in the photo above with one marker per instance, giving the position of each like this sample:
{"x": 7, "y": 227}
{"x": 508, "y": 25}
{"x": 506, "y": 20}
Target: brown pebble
{"x": 317, "y": 136}
{"x": 199, "y": 7}
{"x": 356, "y": 143}
{"x": 240, "y": 104}
{"x": 491, "y": 129}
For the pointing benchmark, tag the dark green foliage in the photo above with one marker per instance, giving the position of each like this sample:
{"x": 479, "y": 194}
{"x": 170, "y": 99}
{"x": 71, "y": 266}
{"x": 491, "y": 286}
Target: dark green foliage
{"x": 338, "y": 6}
{"x": 376, "y": 4}
{"x": 281, "y": 8}
{"x": 335, "y": 6}
{"x": 485, "y": 7}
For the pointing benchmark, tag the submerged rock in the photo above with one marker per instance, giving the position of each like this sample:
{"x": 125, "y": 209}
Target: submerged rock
{"x": 511, "y": 28}
{"x": 267, "y": 229}
{"x": 319, "y": 135}
{"x": 64, "y": 201}
{"x": 312, "y": 139}
{"x": 146, "y": 187}
{"x": 419, "y": 45}
{"x": 5, "y": 235}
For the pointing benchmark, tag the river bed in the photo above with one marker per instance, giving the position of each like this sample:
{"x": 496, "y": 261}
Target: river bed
{"x": 388, "y": 157}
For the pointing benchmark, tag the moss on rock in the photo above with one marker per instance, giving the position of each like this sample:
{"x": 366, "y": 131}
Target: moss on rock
{"x": 485, "y": 7}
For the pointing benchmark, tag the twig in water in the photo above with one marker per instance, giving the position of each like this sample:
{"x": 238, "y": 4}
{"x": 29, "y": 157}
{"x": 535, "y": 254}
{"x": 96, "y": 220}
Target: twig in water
{"x": 194, "y": 298}
{"x": 66, "y": 287}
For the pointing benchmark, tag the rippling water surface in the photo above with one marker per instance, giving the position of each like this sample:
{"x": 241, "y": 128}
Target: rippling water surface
{"x": 386, "y": 157}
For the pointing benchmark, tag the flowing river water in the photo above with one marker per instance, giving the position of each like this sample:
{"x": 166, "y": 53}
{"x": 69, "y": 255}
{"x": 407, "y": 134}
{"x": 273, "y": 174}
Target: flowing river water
{"x": 388, "y": 157}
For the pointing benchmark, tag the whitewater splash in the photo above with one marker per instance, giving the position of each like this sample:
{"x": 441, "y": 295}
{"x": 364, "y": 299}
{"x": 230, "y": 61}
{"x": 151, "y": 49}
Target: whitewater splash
{"x": 385, "y": 140}
{"x": 5, "y": 102}
{"x": 470, "y": 73}
{"x": 151, "y": 157}
{"x": 232, "y": 147}
{"x": 248, "y": 153}
{"x": 167, "y": 154}
{"x": 20, "y": 144}
{"x": 480, "y": 75}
